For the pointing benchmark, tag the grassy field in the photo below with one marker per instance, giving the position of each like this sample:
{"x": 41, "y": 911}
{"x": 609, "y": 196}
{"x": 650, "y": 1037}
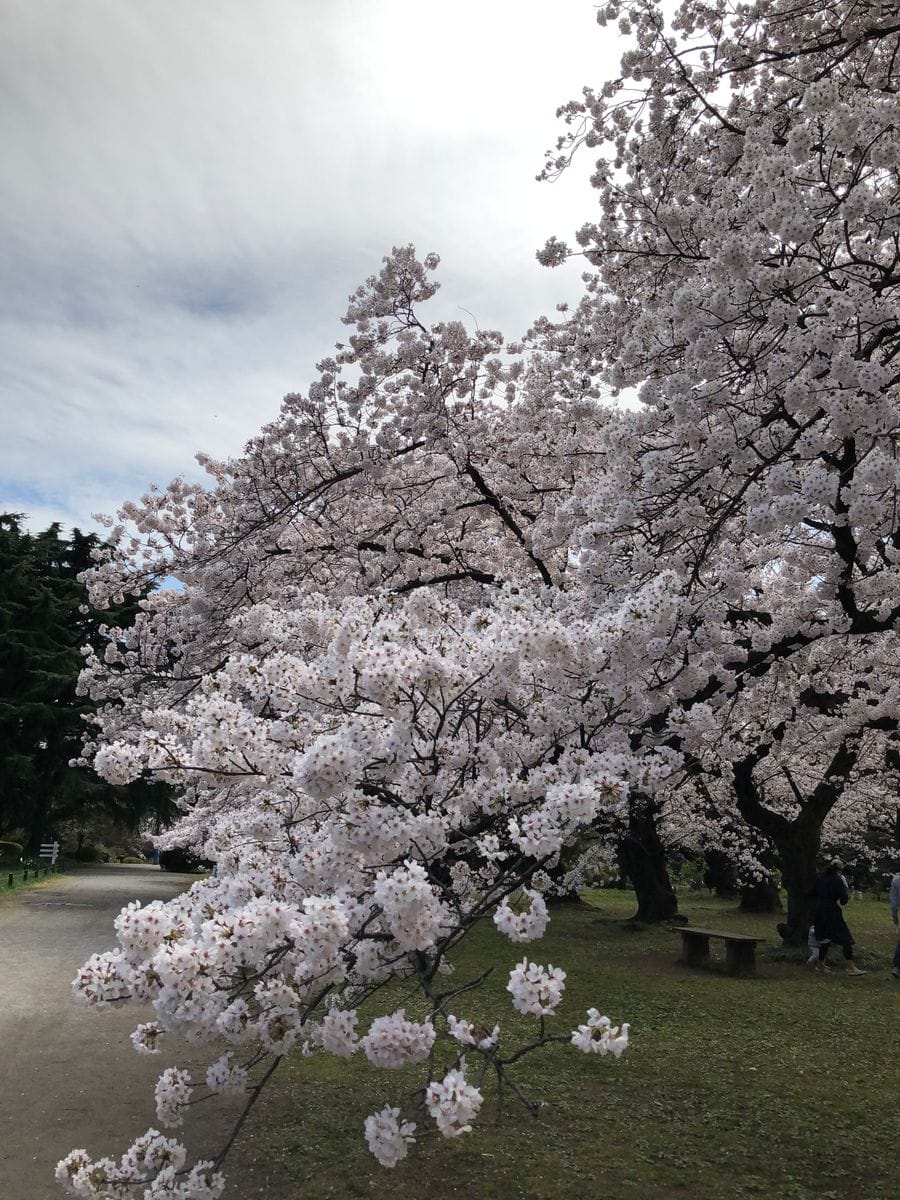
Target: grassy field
{"x": 781, "y": 1085}
{"x": 20, "y": 885}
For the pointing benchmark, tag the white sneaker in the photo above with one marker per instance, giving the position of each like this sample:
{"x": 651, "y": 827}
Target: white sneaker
{"x": 855, "y": 971}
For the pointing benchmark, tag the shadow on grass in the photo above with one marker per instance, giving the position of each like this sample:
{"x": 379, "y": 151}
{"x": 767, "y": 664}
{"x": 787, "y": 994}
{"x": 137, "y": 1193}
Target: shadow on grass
{"x": 727, "y": 1091}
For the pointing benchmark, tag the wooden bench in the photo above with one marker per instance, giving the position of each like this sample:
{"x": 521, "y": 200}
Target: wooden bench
{"x": 740, "y": 950}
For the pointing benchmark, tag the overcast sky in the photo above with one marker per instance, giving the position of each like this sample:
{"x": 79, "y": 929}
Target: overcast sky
{"x": 192, "y": 188}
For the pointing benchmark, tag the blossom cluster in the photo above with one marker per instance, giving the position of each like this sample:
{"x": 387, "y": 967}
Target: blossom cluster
{"x": 469, "y": 1034}
{"x": 599, "y": 1036}
{"x": 535, "y": 990}
{"x": 453, "y": 1103}
{"x": 153, "y": 1163}
{"x": 526, "y": 926}
{"x": 388, "y": 1137}
{"x": 173, "y": 1094}
{"x": 393, "y": 1041}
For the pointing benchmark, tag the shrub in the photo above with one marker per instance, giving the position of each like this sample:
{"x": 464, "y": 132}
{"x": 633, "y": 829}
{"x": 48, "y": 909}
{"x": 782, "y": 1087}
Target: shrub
{"x": 182, "y": 860}
{"x": 93, "y": 854}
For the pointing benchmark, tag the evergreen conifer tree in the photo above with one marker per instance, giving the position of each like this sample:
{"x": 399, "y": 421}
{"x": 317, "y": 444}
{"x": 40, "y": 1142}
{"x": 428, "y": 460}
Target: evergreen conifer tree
{"x": 44, "y": 621}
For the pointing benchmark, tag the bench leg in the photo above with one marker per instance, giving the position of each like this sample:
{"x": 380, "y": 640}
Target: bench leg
{"x": 740, "y": 958}
{"x": 695, "y": 949}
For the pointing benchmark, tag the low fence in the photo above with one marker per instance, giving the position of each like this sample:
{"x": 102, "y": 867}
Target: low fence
{"x": 30, "y": 871}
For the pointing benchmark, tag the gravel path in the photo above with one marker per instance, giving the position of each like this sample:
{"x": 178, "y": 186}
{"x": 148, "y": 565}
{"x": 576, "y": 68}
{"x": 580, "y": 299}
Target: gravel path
{"x": 69, "y": 1076}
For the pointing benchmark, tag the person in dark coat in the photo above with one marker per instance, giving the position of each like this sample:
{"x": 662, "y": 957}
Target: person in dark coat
{"x": 829, "y": 894}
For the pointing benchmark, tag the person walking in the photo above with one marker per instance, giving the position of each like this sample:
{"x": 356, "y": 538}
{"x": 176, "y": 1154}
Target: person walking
{"x": 894, "y": 901}
{"x": 829, "y": 894}
{"x": 814, "y": 946}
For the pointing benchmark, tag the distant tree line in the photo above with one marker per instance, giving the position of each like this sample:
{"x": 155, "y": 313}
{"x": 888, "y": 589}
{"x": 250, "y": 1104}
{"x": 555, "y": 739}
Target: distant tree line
{"x": 45, "y": 619}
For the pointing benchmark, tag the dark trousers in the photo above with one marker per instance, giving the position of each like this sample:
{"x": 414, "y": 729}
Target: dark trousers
{"x": 847, "y": 948}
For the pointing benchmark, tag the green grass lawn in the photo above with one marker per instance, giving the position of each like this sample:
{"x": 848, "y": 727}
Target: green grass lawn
{"x": 783, "y": 1085}
{"x": 20, "y": 885}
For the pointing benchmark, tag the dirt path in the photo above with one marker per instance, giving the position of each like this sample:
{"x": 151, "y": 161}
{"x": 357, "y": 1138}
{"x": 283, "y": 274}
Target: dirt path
{"x": 68, "y": 1076}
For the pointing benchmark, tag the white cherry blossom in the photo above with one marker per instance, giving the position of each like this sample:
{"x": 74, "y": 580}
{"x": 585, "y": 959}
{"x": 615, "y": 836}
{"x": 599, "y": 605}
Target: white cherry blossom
{"x": 388, "y": 1137}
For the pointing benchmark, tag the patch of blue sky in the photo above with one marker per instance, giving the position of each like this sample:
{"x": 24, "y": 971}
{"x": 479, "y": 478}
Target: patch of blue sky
{"x": 217, "y": 302}
{"x": 203, "y": 290}
{"x": 18, "y": 497}
{"x": 169, "y": 584}
{"x": 18, "y": 493}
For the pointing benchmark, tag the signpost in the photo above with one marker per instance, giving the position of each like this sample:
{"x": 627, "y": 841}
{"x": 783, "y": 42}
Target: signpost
{"x": 49, "y": 850}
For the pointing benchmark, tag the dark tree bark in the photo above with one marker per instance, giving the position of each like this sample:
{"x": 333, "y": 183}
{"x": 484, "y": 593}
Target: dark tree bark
{"x": 719, "y": 875}
{"x": 761, "y": 897}
{"x": 642, "y": 858}
{"x": 38, "y": 825}
{"x": 797, "y": 840}
{"x": 799, "y": 855}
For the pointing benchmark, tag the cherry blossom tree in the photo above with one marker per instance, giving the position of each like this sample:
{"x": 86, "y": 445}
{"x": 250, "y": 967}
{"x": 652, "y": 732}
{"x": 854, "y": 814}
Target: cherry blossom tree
{"x": 743, "y": 273}
{"x": 373, "y": 699}
{"x": 816, "y": 766}
{"x": 449, "y": 610}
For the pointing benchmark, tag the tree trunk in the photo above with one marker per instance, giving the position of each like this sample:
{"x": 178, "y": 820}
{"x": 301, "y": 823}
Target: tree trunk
{"x": 760, "y": 897}
{"x": 719, "y": 875}
{"x": 642, "y": 858}
{"x": 798, "y": 854}
{"x": 797, "y": 840}
{"x": 38, "y": 830}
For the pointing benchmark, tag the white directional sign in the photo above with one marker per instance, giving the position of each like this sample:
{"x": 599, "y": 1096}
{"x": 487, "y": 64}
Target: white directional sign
{"x": 50, "y": 850}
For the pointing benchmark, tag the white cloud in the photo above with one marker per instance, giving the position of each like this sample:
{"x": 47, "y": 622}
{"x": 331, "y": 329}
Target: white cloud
{"x": 193, "y": 187}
